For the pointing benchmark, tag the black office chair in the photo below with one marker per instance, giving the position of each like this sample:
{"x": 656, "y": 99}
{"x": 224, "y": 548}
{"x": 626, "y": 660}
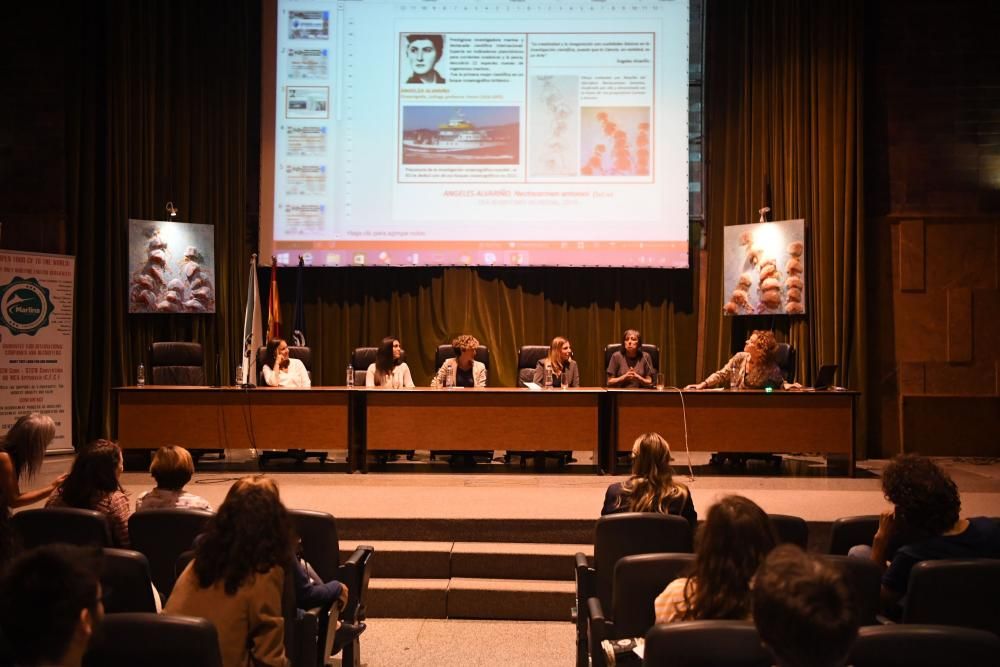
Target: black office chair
{"x": 922, "y": 645}
{"x": 126, "y": 583}
{"x": 303, "y": 354}
{"x": 790, "y": 529}
{"x": 960, "y": 592}
{"x": 443, "y": 353}
{"x": 163, "y": 535}
{"x": 705, "y": 644}
{"x": 528, "y": 357}
{"x": 62, "y": 525}
{"x": 638, "y": 580}
{"x": 615, "y": 537}
{"x": 361, "y": 359}
{"x": 785, "y": 357}
{"x": 154, "y": 640}
{"x": 321, "y": 549}
{"x": 850, "y": 531}
{"x": 652, "y": 350}
{"x": 177, "y": 363}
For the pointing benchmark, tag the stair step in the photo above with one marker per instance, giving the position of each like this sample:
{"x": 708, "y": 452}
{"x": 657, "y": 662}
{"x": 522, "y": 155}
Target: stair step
{"x": 406, "y": 560}
{"x": 407, "y": 598}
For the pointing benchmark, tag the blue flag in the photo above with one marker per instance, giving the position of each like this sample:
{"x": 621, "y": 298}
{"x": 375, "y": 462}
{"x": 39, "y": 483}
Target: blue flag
{"x": 299, "y": 319}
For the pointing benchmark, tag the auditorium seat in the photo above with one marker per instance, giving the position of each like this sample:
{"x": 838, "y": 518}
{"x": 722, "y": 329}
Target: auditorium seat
{"x": 960, "y": 592}
{"x": 609, "y": 350}
{"x": 785, "y": 358}
{"x": 705, "y": 644}
{"x": 126, "y": 583}
{"x": 65, "y": 525}
{"x": 922, "y": 645}
{"x": 177, "y": 363}
{"x": 615, "y": 537}
{"x": 850, "y": 531}
{"x": 790, "y": 529}
{"x": 864, "y": 579}
{"x": 637, "y": 581}
{"x": 321, "y": 549}
{"x": 303, "y": 354}
{"x": 154, "y": 640}
{"x": 162, "y": 535}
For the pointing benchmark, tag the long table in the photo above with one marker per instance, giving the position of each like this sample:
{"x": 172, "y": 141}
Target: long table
{"x": 363, "y": 421}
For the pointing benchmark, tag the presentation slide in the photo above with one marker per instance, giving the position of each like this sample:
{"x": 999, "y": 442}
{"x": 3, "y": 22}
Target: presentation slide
{"x": 480, "y": 133}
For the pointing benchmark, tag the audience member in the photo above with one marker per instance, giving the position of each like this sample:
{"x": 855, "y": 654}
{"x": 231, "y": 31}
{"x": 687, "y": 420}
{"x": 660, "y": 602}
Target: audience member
{"x": 22, "y": 450}
{"x": 172, "y": 468}
{"x": 50, "y": 605}
{"x": 9, "y": 543}
{"x": 729, "y": 545}
{"x": 651, "y": 488}
{"x": 94, "y": 484}
{"x": 924, "y": 524}
{"x": 803, "y": 609}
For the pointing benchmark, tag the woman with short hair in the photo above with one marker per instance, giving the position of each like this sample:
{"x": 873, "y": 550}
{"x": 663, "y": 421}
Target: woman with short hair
{"x": 389, "y": 369}
{"x": 22, "y": 451}
{"x": 94, "y": 483}
{"x": 172, "y": 468}
{"x": 462, "y": 370}
{"x": 651, "y": 488}
{"x": 631, "y": 366}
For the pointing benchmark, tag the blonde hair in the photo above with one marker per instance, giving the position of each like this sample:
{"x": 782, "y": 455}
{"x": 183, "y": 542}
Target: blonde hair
{"x": 651, "y": 486}
{"x": 172, "y": 467}
{"x": 26, "y": 441}
{"x": 555, "y": 352}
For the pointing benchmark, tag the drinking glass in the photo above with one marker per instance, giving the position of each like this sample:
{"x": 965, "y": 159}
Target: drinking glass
{"x": 564, "y": 380}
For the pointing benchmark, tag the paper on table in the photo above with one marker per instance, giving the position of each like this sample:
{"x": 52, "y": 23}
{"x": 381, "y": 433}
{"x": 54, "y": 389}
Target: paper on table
{"x": 532, "y": 386}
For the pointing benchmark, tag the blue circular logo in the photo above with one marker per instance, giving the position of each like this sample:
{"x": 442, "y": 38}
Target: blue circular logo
{"x": 25, "y": 306}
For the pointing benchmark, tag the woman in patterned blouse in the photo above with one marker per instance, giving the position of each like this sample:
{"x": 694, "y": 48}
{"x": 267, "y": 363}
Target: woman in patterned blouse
{"x": 93, "y": 484}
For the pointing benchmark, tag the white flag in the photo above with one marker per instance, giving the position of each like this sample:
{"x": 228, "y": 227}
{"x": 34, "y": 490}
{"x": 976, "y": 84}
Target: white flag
{"x": 251, "y": 327}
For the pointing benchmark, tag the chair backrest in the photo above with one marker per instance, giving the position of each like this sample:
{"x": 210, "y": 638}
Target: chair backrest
{"x": 864, "y": 579}
{"x": 850, "y": 531}
{"x": 652, "y": 350}
{"x": 177, "y": 363}
{"x": 303, "y": 354}
{"x": 620, "y": 535}
{"x": 162, "y": 535}
{"x": 790, "y": 529}
{"x": 921, "y": 645}
{"x": 361, "y": 359}
{"x": 65, "y": 525}
{"x": 126, "y": 583}
{"x": 785, "y": 358}
{"x": 320, "y": 544}
{"x": 637, "y": 581}
{"x": 155, "y": 640}
{"x": 528, "y": 357}
{"x": 705, "y": 644}
{"x": 955, "y": 592}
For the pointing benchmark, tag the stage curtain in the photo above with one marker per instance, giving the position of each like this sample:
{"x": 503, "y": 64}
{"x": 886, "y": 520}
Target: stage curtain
{"x": 784, "y": 110}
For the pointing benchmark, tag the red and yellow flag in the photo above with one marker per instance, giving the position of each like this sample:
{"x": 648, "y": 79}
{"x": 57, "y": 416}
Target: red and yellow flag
{"x": 273, "y": 304}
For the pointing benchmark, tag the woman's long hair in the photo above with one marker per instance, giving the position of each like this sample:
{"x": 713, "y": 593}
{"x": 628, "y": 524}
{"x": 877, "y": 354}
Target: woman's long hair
{"x": 94, "y": 475}
{"x": 250, "y": 534}
{"x": 651, "y": 487}
{"x": 26, "y": 441}
{"x": 271, "y": 352}
{"x": 732, "y": 542}
{"x": 384, "y": 362}
{"x": 555, "y": 353}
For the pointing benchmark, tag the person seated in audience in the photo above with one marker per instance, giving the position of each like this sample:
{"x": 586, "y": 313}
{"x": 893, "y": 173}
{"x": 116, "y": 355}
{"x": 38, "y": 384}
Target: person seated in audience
{"x": 803, "y": 609}
{"x": 462, "y": 370}
{"x": 729, "y": 545}
{"x": 756, "y": 367}
{"x": 94, "y": 483}
{"x": 651, "y": 488}
{"x": 282, "y": 371}
{"x": 561, "y": 361}
{"x": 389, "y": 370}
{"x": 50, "y": 605}
{"x": 172, "y": 468}
{"x": 630, "y": 366}
{"x": 22, "y": 450}
{"x": 924, "y": 524}
{"x": 9, "y": 542}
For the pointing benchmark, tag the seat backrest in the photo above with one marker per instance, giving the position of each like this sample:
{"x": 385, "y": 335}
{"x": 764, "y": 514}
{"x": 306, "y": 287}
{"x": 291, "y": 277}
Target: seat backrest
{"x": 921, "y": 645}
{"x": 65, "y": 525}
{"x": 638, "y": 580}
{"x": 155, "y": 640}
{"x": 864, "y": 579}
{"x": 705, "y": 644}
{"x": 177, "y": 363}
{"x": 652, "y": 350}
{"x": 162, "y": 535}
{"x": 850, "y": 531}
{"x": 620, "y": 535}
{"x": 790, "y": 529}
{"x": 955, "y": 592}
{"x": 785, "y": 358}
{"x": 361, "y": 359}
{"x": 528, "y": 357}
{"x": 320, "y": 544}
{"x": 126, "y": 583}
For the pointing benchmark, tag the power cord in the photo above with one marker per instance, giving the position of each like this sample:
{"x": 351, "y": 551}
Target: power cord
{"x": 687, "y": 448}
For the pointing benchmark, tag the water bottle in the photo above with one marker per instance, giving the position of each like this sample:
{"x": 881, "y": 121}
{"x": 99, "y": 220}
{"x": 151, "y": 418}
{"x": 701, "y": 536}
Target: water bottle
{"x": 350, "y": 375}
{"x": 548, "y": 376}
{"x": 239, "y": 374}
{"x": 140, "y": 376}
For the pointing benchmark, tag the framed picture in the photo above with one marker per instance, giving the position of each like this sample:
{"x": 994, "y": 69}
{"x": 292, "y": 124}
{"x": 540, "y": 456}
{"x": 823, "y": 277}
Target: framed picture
{"x": 171, "y": 267}
{"x": 765, "y": 269}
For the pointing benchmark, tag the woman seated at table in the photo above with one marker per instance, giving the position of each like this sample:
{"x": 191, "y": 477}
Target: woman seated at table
{"x": 282, "y": 371}
{"x": 564, "y": 369}
{"x": 756, "y": 367}
{"x": 462, "y": 370}
{"x": 651, "y": 488}
{"x": 389, "y": 370}
{"x": 630, "y": 366}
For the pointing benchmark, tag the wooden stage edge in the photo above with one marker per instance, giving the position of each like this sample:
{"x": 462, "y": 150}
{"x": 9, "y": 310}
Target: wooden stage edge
{"x": 367, "y": 421}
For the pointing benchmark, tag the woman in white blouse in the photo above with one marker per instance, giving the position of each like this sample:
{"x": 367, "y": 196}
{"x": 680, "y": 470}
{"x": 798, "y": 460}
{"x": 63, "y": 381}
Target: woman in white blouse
{"x": 282, "y": 371}
{"x": 389, "y": 370}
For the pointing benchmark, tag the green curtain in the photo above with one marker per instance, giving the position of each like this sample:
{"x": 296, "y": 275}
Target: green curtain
{"x": 783, "y": 111}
